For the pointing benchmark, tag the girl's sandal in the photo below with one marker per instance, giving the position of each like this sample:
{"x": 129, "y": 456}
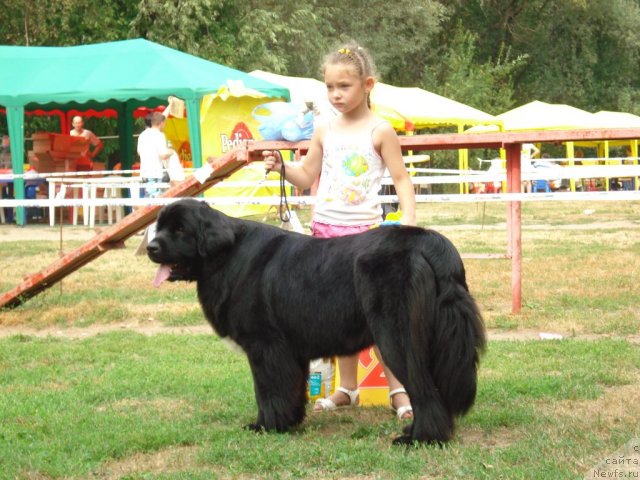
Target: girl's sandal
{"x": 327, "y": 405}
{"x": 401, "y": 412}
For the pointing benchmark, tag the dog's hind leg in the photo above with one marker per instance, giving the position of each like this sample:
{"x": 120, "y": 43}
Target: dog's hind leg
{"x": 432, "y": 422}
{"x": 399, "y": 301}
{"x": 280, "y": 382}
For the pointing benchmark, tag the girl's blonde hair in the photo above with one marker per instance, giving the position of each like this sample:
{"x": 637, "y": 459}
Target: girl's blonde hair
{"x": 354, "y": 55}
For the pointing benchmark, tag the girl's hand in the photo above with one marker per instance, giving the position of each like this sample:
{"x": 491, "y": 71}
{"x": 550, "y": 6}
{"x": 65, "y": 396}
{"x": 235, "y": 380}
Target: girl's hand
{"x": 272, "y": 160}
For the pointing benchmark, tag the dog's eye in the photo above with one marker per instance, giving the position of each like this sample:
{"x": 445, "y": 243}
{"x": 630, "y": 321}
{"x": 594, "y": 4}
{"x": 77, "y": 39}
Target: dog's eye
{"x": 180, "y": 229}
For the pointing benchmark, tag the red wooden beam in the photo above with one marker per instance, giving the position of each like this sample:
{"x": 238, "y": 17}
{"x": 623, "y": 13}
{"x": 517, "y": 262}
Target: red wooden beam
{"x": 514, "y": 224}
{"x": 449, "y": 141}
{"x": 452, "y": 141}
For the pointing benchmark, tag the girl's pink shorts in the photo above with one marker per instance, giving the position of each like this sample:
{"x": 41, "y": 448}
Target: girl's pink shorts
{"x": 325, "y": 230}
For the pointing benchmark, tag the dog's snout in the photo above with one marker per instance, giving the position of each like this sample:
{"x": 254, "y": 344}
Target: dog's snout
{"x": 153, "y": 247}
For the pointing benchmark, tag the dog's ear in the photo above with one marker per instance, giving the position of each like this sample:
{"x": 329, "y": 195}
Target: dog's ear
{"x": 215, "y": 231}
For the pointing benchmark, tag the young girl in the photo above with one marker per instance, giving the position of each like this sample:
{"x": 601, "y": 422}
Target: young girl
{"x": 351, "y": 153}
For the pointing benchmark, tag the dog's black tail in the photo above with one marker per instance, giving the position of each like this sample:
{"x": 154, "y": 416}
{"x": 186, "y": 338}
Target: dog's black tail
{"x": 456, "y": 329}
{"x": 436, "y": 353}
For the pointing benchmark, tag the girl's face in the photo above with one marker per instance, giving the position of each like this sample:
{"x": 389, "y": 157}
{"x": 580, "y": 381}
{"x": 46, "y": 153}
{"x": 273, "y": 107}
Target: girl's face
{"x": 345, "y": 88}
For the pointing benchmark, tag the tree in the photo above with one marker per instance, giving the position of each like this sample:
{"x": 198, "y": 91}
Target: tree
{"x": 491, "y": 54}
{"x": 64, "y": 22}
{"x": 292, "y": 38}
{"x": 205, "y": 28}
{"x": 400, "y": 36}
{"x": 282, "y": 37}
{"x": 584, "y": 53}
{"x": 458, "y": 75}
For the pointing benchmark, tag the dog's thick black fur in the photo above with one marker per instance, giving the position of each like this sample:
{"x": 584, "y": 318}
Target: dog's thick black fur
{"x": 288, "y": 298}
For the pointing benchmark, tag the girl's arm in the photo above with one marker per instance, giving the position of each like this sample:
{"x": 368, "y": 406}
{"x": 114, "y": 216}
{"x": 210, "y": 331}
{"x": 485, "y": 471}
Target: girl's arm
{"x": 392, "y": 155}
{"x": 301, "y": 174}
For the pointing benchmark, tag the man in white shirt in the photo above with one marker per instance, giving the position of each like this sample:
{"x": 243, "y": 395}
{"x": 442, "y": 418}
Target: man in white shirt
{"x": 85, "y": 160}
{"x": 155, "y": 157}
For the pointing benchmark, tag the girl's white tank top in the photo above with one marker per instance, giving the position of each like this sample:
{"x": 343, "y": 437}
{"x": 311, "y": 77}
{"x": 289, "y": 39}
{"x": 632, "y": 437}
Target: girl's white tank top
{"x": 351, "y": 175}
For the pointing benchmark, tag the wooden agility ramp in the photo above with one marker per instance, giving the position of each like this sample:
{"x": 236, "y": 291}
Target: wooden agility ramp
{"x": 213, "y": 172}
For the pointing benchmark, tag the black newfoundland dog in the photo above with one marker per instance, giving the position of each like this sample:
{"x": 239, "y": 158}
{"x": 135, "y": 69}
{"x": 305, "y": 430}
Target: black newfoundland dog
{"x": 288, "y": 298}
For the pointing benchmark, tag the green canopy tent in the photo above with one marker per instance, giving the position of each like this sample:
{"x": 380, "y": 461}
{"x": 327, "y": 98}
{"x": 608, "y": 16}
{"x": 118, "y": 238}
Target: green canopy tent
{"x": 122, "y": 75}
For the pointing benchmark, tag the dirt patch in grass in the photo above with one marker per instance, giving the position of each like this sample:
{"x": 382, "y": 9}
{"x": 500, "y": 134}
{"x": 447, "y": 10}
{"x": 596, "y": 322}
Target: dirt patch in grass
{"x": 169, "y": 460}
{"x": 527, "y": 335}
{"x": 618, "y": 404}
{"x": 616, "y": 409}
{"x": 498, "y": 438}
{"x": 11, "y": 233}
{"x": 29, "y": 475}
{"x": 148, "y": 328}
{"x": 152, "y": 327}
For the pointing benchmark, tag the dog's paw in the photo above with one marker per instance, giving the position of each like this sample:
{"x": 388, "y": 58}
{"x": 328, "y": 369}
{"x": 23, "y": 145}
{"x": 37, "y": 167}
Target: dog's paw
{"x": 404, "y": 441}
{"x": 254, "y": 427}
{"x": 409, "y": 441}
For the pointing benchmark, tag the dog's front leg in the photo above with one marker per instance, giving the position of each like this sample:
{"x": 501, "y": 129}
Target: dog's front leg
{"x": 280, "y": 382}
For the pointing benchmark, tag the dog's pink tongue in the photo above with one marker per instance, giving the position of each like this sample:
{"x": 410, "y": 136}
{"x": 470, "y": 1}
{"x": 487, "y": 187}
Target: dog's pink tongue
{"x": 164, "y": 271}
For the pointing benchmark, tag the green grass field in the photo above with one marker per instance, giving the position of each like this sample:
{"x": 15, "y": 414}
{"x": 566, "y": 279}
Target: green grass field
{"x": 172, "y": 406}
{"x": 98, "y": 379}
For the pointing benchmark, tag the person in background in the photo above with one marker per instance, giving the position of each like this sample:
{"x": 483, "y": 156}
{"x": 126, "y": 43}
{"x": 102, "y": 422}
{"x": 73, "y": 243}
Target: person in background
{"x": 529, "y": 151}
{"x": 352, "y": 152}
{"x": 158, "y": 162}
{"x": 5, "y": 152}
{"x": 94, "y": 144}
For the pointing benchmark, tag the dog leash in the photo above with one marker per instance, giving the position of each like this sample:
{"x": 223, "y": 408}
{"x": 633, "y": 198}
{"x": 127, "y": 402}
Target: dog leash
{"x": 283, "y": 209}
{"x": 284, "y": 212}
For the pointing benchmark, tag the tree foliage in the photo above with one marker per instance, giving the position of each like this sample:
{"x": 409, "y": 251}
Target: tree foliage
{"x": 486, "y": 86}
{"x": 491, "y": 54}
{"x": 584, "y": 53}
{"x": 400, "y": 35}
{"x": 64, "y": 22}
